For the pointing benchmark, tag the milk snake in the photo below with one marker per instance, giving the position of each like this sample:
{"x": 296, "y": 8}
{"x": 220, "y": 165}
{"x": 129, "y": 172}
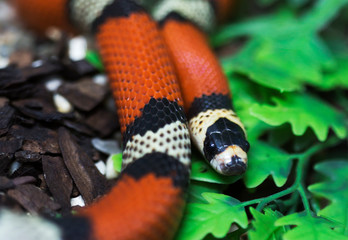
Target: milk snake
{"x": 143, "y": 60}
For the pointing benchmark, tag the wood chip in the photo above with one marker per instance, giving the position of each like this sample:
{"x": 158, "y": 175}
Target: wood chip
{"x": 78, "y": 69}
{"x": 6, "y": 115}
{"x": 85, "y": 144}
{"x": 24, "y": 120}
{"x": 89, "y": 181}
{"x": 8, "y": 146}
{"x": 10, "y": 203}
{"x": 104, "y": 122}
{"x": 27, "y": 156}
{"x": 10, "y": 76}
{"x": 6, "y": 183}
{"x": 37, "y": 139}
{"x": 58, "y": 180}
{"x": 33, "y": 199}
{"x": 42, "y": 68}
{"x": 23, "y": 180}
{"x": 18, "y": 83}
{"x": 19, "y": 91}
{"x": 78, "y": 127}
{"x": 40, "y": 109}
{"x": 84, "y": 94}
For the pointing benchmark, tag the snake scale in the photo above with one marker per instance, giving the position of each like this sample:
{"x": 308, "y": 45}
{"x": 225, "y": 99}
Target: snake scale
{"x": 167, "y": 85}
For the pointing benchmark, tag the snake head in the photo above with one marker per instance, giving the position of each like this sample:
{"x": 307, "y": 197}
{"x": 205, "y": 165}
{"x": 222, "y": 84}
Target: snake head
{"x": 232, "y": 161}
{"x": 225, "y": 147}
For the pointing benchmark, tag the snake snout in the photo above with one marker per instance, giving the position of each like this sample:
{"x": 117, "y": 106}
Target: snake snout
{"x": 232, "y": 161}
{"x": 235, "y": 166}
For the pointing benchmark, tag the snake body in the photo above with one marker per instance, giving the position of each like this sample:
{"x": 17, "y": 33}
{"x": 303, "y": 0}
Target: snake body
{"x": 144, "y": 62}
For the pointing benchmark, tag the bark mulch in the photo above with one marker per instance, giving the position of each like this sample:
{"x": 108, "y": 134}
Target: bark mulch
{"x": 46, "y": 156}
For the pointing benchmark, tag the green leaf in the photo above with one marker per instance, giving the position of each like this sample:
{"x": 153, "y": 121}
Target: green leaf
{"x": 302, "y": 57}
{"x": 302, "y": 111}
{"x": 215, "y": 217}
{"x": 94, "y": 58}
{"x": 196, "y": 189}
{"x": 282, "y": 62}
{"x": 264, "y": 227}
{"x": 285, "y": 51}
{"x": 295, "y": 3}
{"x": 245, "y": 62}
{"x": 323, "y": 12}
{"x": 337, "y": 78}
{"x": 202, "y": 171}
{"x": 245, "y": 93}
{"x": 281, "y": 135}
{"x": 282, "y": 22}
{"x": 308, "y": 228}
{"x": 335, "y": 189}
{"x": 265, "y": 160}
{"x": 117, "y": 162}
{"x": 235, "y": 235}
{"x": 257, "y": 26}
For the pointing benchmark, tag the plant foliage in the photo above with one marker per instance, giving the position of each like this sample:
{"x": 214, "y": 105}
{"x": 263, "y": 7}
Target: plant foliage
{"x": 289, "y": 82}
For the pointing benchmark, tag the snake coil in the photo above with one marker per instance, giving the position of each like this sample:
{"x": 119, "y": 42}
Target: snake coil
{"x": 149, "y": 65}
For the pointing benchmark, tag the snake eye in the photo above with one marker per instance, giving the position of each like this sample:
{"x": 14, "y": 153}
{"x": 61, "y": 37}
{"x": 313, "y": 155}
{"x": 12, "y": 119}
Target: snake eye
{"x": 246, "y": 146}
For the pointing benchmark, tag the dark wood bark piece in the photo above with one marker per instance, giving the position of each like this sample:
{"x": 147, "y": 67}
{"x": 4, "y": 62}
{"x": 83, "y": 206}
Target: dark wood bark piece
{"x": 33, "y": 199}
{"x": 89, "y": 181}
{"x": 58, "y": 180}
{"x": 10, "y": 203}
{"x": 12, "y": 83}
{"x": 40, "y": 109}
{"x": 42, "y": 68}
{"x": 23, "y": 180}
{"x": 84, "y": 95}
{"x": 24, "y": 120}
{"x": 78, "y": 69}
{"x": 85, "y": 144}
{"x": 6, "y": 183}
{"x": 78, "y": 127}
{"x": 103, "y": 121}
{"x": 37, "y": 139}
{"x": 6, "y": 115}
{"x": 18, "y": 83}
{"x": 27, "y": 156}
{"x": 19, "y": 91}
{"x": 8, "y": 146}
{"x": 10, "y": 76}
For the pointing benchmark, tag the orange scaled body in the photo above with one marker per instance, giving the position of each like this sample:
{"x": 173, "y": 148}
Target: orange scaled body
{"x": 198, "y": 68}
{"x": 138, "y": 64}
{"x": 148, "y": 208}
